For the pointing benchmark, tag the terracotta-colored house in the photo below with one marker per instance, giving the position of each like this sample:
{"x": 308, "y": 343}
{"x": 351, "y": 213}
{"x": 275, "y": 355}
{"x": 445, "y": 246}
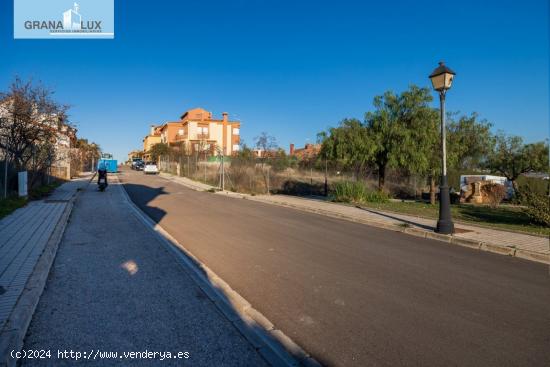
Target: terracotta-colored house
{"x": 150, "y": 140}
{"x": 198, "y": 132}
{"x": 307, "y": 152}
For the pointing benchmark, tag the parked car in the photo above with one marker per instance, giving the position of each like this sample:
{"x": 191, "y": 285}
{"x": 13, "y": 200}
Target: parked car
{"x": 138, "y": 166}
{"x": 150, "y": 167}
{"x": 136, "y": 162}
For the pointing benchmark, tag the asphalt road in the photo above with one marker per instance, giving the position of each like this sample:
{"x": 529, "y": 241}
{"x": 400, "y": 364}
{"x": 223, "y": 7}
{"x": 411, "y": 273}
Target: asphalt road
{"x": 355, "y": 295}
{"x": 114, "y": 288}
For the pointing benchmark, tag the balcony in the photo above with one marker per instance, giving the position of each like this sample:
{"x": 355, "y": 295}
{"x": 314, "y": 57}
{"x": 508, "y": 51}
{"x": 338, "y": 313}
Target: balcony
{"x": 181, "y": 137}
{"x": 203, "y": 136}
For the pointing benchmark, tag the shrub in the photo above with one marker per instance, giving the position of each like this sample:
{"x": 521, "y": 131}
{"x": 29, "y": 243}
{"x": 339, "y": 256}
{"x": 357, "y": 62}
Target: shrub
{"x": 537, "y": 207}
{"x": 357, "y": 192}
{"x": 495, "y": 193}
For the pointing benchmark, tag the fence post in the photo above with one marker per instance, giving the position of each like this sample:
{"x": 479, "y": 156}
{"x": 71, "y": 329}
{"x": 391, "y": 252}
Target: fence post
{"x": 268, "y": 171}
{"x": 5, "y": 175}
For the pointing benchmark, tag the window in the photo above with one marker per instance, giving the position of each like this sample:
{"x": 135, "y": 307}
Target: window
{"x": 236, "y": 131}
{"x": 180, "y": 132}
{"x": 236, "y": 147}
{"x": 203, "y": 130}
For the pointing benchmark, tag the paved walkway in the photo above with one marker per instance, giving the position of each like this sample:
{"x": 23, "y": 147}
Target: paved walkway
{"x": 23, "y": 237}
{"x": 114, "y": 289}
{"x": 522, "y": 245}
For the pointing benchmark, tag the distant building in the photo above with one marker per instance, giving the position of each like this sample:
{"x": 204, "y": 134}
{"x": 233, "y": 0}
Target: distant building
{"x": 198, "y": 132}
{"x": 261, "y": 153}
{"x": 154, "y": 137}
{"x": 309, "y": 151}
{"x": 134, "y": 154}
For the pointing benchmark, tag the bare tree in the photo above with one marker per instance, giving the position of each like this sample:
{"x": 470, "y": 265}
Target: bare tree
{"x": 30, "y": 122}
{"x": 265, "y": 144}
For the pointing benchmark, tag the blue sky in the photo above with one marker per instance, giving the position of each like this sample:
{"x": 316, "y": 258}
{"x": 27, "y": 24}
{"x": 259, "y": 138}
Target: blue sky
{"x": 290, "y": 68}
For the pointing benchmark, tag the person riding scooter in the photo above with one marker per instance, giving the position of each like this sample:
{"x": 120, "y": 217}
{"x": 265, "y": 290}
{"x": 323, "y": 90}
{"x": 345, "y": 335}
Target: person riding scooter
{"x": 102, "y": 176}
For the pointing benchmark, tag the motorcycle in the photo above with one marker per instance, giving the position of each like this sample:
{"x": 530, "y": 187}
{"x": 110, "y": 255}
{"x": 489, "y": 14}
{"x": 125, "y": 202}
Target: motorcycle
{"x": 102, "y": 184}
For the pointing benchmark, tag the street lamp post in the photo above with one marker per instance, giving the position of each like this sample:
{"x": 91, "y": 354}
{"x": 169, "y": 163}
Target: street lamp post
{"x": 442, "y": 79}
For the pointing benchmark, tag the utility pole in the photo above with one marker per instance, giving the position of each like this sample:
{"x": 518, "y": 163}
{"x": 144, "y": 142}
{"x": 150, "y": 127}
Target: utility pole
{"x": 326, "y": 178}
{"x": 223, "y": 172}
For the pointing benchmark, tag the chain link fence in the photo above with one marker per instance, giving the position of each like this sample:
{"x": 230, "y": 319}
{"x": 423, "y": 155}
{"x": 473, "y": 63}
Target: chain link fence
{"x": 285, "y": 175}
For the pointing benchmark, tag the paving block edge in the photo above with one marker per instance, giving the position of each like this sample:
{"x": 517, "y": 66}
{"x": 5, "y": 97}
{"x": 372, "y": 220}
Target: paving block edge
{"x": 13, "y": 334}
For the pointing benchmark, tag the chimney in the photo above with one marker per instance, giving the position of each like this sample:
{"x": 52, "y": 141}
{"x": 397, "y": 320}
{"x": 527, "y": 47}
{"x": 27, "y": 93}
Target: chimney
{"x": 224, "y": 135}
{"x": 291, "y": 152}
{"x": 152, "y": 130}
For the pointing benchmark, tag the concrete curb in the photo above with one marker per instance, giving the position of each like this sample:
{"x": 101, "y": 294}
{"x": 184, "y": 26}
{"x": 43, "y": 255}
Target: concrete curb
{"x": 15, "y": 329}
{"x": 274, "y": 346}
{"x": 414, "y": 231}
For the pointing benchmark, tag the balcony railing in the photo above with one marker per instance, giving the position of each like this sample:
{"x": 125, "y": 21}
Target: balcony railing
{"x": 181, "y": 137}
{"x": 203, "y": 136}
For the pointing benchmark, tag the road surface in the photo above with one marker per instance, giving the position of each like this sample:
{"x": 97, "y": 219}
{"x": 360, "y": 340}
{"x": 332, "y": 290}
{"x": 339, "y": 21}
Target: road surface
{"x": 355, "y": 295}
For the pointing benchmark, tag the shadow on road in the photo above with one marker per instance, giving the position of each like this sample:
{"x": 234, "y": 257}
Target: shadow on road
{"x": 143, "y": 195}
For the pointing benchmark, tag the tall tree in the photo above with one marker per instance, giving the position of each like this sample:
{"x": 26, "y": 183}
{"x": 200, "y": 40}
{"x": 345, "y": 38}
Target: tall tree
{"x": 348, "y": 144}
{"x": 402, "y": 131}
{"x": 511, "y": 157}
{"x": 469, "y": 140}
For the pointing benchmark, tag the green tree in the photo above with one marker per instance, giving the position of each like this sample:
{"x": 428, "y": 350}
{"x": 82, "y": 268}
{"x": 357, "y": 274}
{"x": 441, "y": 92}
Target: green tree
{"x": 469, "y": 140}
{"x": 348, "y": 144}
{"x": 402, "y": 131}
{"x": 510, "y": 157}
{"x": 159, "y": 150}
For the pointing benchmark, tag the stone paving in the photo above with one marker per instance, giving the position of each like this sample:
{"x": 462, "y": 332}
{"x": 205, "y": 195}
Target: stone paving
{"x": 23, "y": 237}
{"x": 537, "y": 246}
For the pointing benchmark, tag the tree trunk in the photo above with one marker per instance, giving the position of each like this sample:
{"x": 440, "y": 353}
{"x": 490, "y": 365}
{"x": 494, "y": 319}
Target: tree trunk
{"x": 381, "y": 176}
{"x": 432, "y": 190}
{"x": 515, "y": 186}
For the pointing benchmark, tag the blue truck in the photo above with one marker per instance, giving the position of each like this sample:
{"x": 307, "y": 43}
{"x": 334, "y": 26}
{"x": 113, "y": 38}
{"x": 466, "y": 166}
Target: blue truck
{"x": 111, "y": 164}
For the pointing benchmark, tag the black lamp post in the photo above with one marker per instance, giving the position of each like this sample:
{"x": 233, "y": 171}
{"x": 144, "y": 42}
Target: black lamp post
{"x": 442, "y": 79}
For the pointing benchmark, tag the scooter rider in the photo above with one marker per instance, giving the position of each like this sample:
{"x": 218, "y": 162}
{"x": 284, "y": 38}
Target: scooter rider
{"x": 102, "y": 173}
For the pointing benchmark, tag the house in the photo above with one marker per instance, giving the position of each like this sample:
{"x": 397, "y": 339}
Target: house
{"x": 134, "y": 154}
{"x": 198, "y": 132}
{"x": 261, "y": 153}
{"x": 153, "y": 138}
{"x": 309, "y": 151}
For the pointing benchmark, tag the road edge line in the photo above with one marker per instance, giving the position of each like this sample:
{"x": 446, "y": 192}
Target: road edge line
{"x": 272, "y": 344}
{"x": 13, "y": 333}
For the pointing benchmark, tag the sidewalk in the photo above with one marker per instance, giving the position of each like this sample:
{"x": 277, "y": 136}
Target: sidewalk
{"x": 25, "y": 236}
{"x": 525, "y": 246}
{"x": 115, "y": 288}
